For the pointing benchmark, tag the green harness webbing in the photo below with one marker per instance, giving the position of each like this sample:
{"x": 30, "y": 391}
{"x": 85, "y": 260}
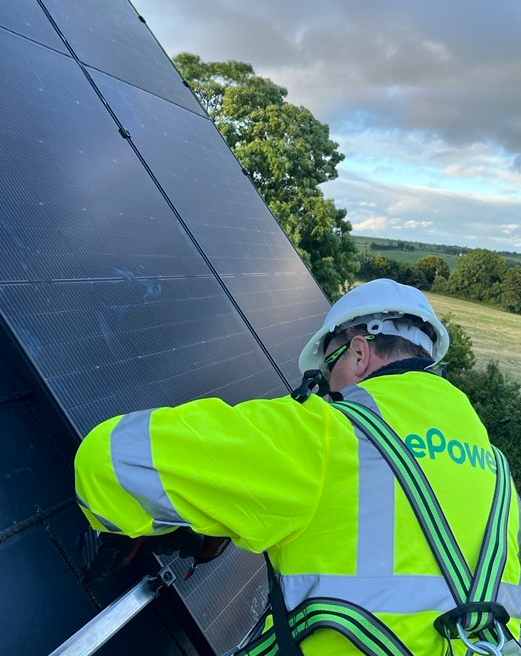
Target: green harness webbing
{"x": 360, "y": 627}
{"x": 468, "y": 591}
{"x": 475, "y": 595}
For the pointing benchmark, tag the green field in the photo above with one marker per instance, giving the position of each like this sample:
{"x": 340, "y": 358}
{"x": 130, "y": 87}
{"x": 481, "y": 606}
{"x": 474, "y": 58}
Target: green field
{"x": 410, "y": 257}
{"x": 496, "y": 335}
{"x": 422, "y": 249}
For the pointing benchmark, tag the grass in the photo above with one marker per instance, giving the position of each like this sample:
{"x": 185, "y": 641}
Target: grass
{"x": 496, "y": 335}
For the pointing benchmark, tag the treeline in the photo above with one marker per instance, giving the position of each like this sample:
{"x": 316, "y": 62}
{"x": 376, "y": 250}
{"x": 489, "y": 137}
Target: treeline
{"x": 421, "y": 274}
{"x": 480, "y": 275}
{"x": 392, "y": 246}
{"x": 494, "y": 395}
{"x": 400, "y": 245}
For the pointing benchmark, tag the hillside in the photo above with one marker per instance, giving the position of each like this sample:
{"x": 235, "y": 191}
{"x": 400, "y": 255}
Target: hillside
{"x": 420, "y": 249}
{"x": 495, "y": 334}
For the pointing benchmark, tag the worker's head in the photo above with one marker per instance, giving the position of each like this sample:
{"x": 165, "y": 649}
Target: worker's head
{"x": 371, "y": 326}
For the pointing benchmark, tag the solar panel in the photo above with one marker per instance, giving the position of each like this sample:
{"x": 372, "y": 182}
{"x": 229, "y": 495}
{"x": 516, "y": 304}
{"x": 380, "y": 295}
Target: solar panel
{"x": 27, "y": 18}
{"x": 110, "y": 36}
{"x": 107, "y": 293}
{"x": 228, "y": 218}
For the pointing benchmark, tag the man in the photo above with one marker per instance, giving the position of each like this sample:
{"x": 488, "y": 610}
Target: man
{"x": 301, "y": 481}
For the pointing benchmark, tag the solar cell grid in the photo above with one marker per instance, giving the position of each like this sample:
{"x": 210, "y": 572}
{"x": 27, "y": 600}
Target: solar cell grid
{"x": 211, "y": 595}
{"x": 27, "y": 18}
{"x": 108, "y": 294}
{"x": 228, "y": 218}
{"x": 109, "y": 36}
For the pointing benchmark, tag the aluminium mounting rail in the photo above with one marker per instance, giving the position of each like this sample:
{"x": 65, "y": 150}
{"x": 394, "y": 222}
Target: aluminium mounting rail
{"x": 106, "y": 624}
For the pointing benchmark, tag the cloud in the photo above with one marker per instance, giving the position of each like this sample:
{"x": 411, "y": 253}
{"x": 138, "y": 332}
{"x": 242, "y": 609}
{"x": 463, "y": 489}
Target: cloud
{"x": 516, "y": 163}
{"x": 371, "y": 224}
{"x": 423, "y": 98}
{"x": 509, "y": 228}
{"x": 431, "y": 215}
{"x": 412, "y": 224}
{"x": 448, "y": 68}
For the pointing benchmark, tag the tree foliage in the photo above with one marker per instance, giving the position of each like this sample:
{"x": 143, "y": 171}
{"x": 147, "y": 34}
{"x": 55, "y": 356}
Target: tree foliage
{"x": 288, "y": 153}
{"x": 478, "y": 276}
{"x": 493, "y": 394}
{"x": 460, "y": 356}
{"x": 432, "y": 266}
{"x": 511, "y": 290}
{"x": 497, "y": 400}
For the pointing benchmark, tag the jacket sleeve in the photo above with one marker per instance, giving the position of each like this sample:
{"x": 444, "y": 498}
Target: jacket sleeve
{"x": 251, "y": 471}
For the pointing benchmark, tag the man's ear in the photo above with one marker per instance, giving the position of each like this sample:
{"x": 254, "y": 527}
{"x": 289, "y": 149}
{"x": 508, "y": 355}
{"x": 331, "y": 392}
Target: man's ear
{"x": 362, "y": 353}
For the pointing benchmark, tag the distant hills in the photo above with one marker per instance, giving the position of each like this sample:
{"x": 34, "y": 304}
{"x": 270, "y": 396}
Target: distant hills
{"x": 411, "y": 251}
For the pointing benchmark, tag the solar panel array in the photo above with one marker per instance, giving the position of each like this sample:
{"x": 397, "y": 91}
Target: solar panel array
{"x": 138, "y": 265}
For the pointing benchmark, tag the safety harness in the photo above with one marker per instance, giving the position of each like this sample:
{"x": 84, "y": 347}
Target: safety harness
{"x": 476, "y": 616}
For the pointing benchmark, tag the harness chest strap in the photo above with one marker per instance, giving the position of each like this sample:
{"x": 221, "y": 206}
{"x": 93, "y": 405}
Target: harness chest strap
{"x": 362, "y": 628}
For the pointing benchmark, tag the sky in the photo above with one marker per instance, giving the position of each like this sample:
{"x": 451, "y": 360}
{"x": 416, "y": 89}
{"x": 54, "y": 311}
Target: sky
{"x": 423, "y": 98}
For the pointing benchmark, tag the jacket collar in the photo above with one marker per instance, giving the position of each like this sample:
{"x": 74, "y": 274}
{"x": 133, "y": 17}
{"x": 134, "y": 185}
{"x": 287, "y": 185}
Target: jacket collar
{"x": 403, "y": 366}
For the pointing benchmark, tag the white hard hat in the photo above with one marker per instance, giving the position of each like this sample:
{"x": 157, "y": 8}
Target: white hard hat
{"x": 378, "y": 302}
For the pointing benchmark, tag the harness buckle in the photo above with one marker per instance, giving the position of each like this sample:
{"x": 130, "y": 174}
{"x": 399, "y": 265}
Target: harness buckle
{"x": 483, "y": 646}
{"x": 447, "y": 624}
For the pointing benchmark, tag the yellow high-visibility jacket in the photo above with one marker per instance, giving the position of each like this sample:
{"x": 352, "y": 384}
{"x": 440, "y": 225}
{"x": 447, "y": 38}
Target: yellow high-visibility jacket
{"x": 296, "y": 480}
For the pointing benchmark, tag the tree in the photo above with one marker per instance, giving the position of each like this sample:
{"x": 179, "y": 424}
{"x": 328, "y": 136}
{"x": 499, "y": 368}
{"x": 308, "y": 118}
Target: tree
{"x": 478, "y": 276}
{"x": 493, "y": 394}
{"x": 511, "y": 290}
{"x": 460, "y": 356}
{"x": 379, "y": 267}
{"x": 287, "y": 153}
{"x": 497, "y": 400}
{"x": 440, "y": 285}
{"x": 411, "y": 275}
{"x": 432, "y": 266}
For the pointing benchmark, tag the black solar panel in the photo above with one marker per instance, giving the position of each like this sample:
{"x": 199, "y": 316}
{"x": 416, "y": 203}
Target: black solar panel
{"x": 99, "y": 282}
{"x": 27, "y": 18}
{"x": 228, "y": 218}
{"x": 109, "y": 35}
{"x": 107, "y": 293}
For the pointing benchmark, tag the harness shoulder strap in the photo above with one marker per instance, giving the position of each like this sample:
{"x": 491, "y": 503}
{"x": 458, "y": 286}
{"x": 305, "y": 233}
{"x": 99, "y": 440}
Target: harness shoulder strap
{"x": 465, "y": 588}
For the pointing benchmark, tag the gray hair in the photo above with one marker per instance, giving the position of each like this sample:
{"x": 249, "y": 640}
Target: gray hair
{"x": 390, "y": 346}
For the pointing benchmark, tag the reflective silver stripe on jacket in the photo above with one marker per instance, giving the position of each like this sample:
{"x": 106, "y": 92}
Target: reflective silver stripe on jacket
{"x": 131, "y": 452}
{"x": 396, "y": 594}
{"x": 112, "y": 528}
{"x": 375, "y": 549}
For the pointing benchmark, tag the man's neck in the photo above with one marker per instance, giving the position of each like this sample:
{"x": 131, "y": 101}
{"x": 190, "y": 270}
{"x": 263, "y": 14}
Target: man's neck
{"x": 402, "y": 366}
